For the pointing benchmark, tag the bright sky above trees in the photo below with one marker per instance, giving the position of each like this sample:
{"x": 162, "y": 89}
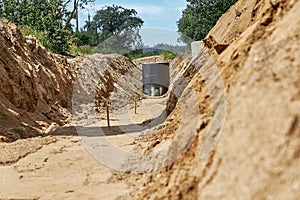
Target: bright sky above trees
{"x": 156, "y": 13}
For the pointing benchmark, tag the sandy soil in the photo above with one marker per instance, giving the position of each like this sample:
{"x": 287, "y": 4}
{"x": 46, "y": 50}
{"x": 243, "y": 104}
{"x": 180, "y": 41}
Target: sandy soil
{"x": 256, "y": 154}
{"x": 60, "y": 167}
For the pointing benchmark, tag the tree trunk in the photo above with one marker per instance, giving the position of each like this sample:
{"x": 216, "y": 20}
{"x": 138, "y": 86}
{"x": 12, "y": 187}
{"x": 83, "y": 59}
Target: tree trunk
{"x": 71, "y": 15}
{"x": 77, "y": 26}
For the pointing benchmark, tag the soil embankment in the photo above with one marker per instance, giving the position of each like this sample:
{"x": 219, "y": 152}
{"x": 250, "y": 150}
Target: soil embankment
{"x": 257, "y": 153}
{"x": 249, "y": 151}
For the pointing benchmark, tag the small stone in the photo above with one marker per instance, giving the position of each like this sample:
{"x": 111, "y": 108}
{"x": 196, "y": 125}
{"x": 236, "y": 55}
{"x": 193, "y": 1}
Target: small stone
{"x": 274, "y": 2}
{"x": 295, "y": 186}
{"x": 237, "y": 13}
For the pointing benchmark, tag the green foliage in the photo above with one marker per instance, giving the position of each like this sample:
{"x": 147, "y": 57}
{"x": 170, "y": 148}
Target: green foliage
{"x": 199, "y": 18}
{"x": 120, "y": 43}
{"x": 81, "y": 50}
{"x": 1, "y": 8}
{"x": 82, "y": 38}
{"x": 168, "y": 54}
{"x": 58, "y": 40}
{"x": 139, "y": 54}
{"x": 114, "y": 19}
{"x": 77, "y": 4}
{"x": 114, "y": 29}
{"x": 41, "y": 18}
{"x": 25, "y": 30}
{"x": 49, "y": 20}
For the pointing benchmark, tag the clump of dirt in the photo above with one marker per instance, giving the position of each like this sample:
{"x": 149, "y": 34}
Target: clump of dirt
{"x": 257, "y": 154}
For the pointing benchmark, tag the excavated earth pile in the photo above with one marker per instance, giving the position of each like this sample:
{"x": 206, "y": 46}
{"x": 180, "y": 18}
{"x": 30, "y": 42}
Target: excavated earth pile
{"x": 34, "y": 88}
{"x": 248, "y": 68}
{"x": 37, "y": 94}
{"x": 255, "y": 47}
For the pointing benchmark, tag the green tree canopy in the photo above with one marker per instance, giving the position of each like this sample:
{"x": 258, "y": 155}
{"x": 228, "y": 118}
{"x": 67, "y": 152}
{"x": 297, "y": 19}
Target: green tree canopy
{"x": 200, "y": 16}
{"x": 115, "y": 27}
{"x": 114, "y": 19}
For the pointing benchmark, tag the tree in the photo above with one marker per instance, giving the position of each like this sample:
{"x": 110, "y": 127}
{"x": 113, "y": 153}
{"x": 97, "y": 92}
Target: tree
{"x": 120, "y": 43}
{"x": 50, "y": 17}
{"x": 45, "y": 16}
{"x": 83, "y": 38}
{"x": 116, "y": 26}
{"x": 76, "y": 5}
{"x": 91, "y": 31}
{"x": 200, "y": 16}
{"x": 1, "y": 8}
{"x": 115, "y": 29}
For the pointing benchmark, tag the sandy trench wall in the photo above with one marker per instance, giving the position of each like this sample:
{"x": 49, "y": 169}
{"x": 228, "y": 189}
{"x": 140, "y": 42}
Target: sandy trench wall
{"x": 257, "y": 154}
{"x": 37, "y": 86}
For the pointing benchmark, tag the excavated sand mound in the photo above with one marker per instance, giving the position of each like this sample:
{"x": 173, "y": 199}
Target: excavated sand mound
{"x": 37, "y": 86}
{"x": 257, "y": 153}
{"x": 34, "y": 88}
{"x": 253, "y": 154}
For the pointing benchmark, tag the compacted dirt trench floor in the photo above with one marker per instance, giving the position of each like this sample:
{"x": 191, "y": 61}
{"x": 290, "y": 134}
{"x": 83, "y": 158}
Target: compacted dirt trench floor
{"x": 62, "y": 168}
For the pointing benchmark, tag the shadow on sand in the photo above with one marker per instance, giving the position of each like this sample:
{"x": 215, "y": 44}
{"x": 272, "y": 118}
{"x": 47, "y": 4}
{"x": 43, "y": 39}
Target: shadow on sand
{"x": 98, "y": 131}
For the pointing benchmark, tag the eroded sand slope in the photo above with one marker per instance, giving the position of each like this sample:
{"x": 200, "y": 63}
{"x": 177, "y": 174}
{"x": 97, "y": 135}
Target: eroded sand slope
{"x": 257, "y": 154}
{"x": 258, "y": 148}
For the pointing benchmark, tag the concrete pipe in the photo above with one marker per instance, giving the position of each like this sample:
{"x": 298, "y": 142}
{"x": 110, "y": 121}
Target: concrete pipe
{"x": 156, "y": 78}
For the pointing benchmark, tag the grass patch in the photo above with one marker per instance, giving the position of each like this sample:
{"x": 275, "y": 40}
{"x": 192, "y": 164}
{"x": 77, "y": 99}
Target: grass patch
{"x": 139, "y": 54}
{"x": 134, "y": 56}
{"x": 81, "y": 50}
{"x": 40, "y": 36}
{"x": 168, "y": 54}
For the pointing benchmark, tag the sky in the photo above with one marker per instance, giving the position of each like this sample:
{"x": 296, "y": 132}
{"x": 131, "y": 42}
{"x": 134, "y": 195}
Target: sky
{"x": 160, "y": 17}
